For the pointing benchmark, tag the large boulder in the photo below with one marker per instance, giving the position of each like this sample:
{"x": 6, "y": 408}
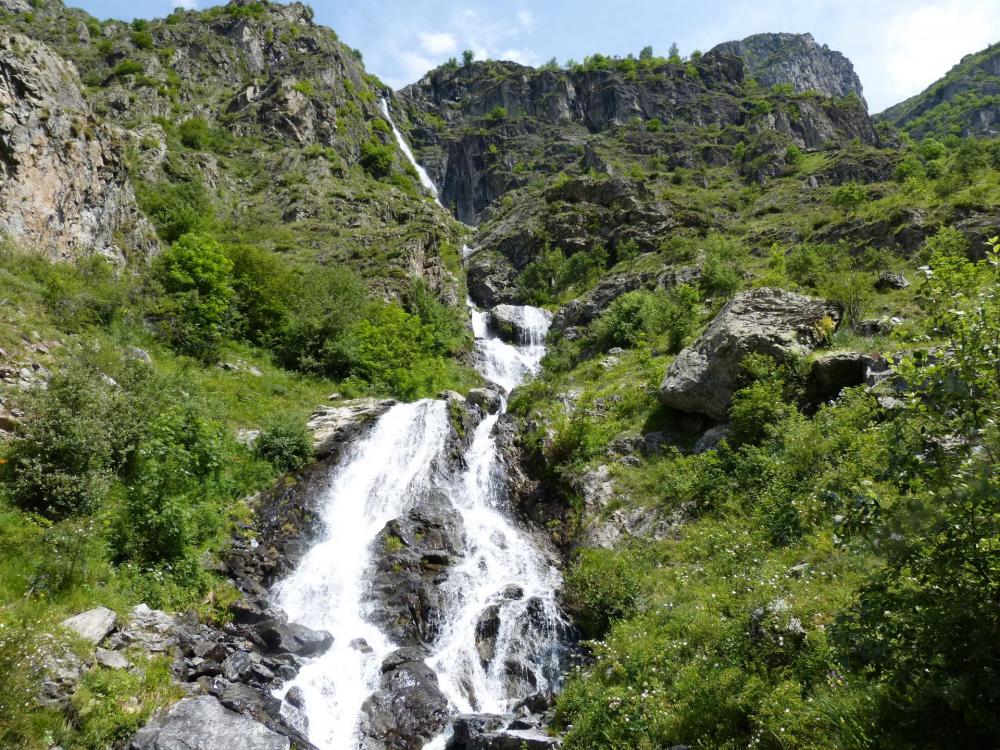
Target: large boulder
{"x": 94, "y": 625}
{"x": 202, "y": 723}
{"x": 64, "y": 189}
{"x": 408, "y": 709}
{"x": 491, "y": 278}
{"x": 781, "y": 324}
{"x": 411, "y": 559}
{"x": 334, "y": 426}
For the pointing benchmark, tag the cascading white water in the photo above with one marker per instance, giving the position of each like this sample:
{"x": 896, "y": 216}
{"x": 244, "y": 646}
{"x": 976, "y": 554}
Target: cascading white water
{"x": 425, "y": 179}
{"x": 376, "y": 481}
{"x": 501, "y": 574}
{"x": 502, "y": 568}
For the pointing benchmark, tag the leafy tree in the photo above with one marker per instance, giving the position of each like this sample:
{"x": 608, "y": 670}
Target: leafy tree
{"x": 193, "y": 311}
{"x": 176, "y": 208}
{"x": 263, "y": 290}
{"x": 646, "y": 53}
{"x": 377, "y": 159}
{"x": 467, "y": 57}
{"x": 675, "y": 53}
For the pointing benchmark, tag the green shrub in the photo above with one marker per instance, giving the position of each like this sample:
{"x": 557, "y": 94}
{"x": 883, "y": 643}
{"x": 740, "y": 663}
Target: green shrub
{"x": 127, "y": 68}
{"x": 78, "y": 434}
{"x": 599, "y": 589}
{"x": 193, "y": 311}
{"x": 142, "y": 40}
{"x": 176, "y": 209}
{"x": 285, "y": 443}
{"x": 629, "y": 320}
{"x": 377, "y": 159}
{"x": 264, "y": 286}
{"x": 680, "y": 315}
{"x": 722, "y": 266}
{"x": 849, "y": 196}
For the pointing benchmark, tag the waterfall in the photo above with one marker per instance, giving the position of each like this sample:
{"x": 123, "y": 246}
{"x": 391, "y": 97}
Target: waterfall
{"x": 501, "y": 575}
{"x": 425, "y": 179}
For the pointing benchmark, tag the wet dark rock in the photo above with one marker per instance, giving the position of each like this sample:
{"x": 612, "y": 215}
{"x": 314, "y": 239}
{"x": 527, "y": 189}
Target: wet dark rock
{"x": 293, "y": 638}
{"x": 411, "y": 558}
{"x": 408, "y": 709}
{"x": 487, "y": 629}
{"x": 295, "y": 697}
{"x": 491, "y": 279}
{"x": 489, "y": 400}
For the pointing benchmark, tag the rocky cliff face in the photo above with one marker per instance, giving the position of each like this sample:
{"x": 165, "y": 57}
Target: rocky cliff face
{"x": 490, "y": 127}
{"x": 796, "y": 60}
{"x": 965, "y": 102}
{"x": 63, "y": 185}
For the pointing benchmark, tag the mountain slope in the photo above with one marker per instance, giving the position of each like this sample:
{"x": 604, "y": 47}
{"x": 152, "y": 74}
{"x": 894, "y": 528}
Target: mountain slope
{"x": 965, "y": 102}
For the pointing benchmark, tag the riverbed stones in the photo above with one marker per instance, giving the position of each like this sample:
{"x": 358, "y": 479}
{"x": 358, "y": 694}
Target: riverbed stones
{"x": 784, "y": 325}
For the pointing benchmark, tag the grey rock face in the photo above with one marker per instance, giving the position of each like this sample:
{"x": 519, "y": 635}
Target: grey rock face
{"x": 781, "y": 324}
{"x": 490, "y": 278}
{"x": 203, "y": 723}
{"x": 487, "y": 399}
{"x": 63, "y": 185}
{"x": 333, "y": 426}
{"x": 94, "y": 625}
{"x": 798, "y": 60}
{"x": 889, "y": 280}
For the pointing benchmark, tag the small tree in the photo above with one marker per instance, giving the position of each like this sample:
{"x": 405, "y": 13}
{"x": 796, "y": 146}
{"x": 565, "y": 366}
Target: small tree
{"x": 192, "y": 314}
{"x": 467, "y": 57}
{"x": 646, "y": 53}
{"x": 675, "y": 53}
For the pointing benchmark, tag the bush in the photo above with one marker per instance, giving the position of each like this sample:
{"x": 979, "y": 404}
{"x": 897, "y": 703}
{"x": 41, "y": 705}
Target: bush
{"x": 78, "y": 434}
{"x": 600, "y": 589}
{"x": 629, "y": 320}
{"x": 849, "y": 196}
{"x": 285, "y": 443}
{"x": 722, "y": 266}
{"x": 142, "y": 39}
{"x": 176, "y": 208}
{"x": 162, "y": 515}
{"x": 680, "y": 315}
{"x": 852, "y": 290}
{"x": 377, "y": 159}
{"x": 193, "y": 311}
{"x": 264, "y": 287}
{"x": 127, "y": 68}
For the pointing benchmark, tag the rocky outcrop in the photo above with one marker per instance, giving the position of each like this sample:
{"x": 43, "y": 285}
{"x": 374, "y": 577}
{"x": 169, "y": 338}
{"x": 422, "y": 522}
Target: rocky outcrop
{"x": 491, "y": 279}
{"x": 781, "y": 324}
{"x": 202, "y": 723}
{"x": 411, "y": 559}
{"x": 796, "y": 60}
{"x": 964, "y": 101}
{"x": 832, "y": 373}
{"x": 408, "y": 709}
{"x": 63, "y": 185}
{"x": 511, "y": 323}
{"x": 333, "y": 427}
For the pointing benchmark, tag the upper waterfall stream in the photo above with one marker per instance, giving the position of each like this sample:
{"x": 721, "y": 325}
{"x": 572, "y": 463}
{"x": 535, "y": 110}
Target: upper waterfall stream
{"x": 499, "y": 576}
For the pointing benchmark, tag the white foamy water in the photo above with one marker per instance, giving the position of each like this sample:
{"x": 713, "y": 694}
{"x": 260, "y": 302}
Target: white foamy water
{"x": 425, "y": 179}
{"x": 376, "y": 481}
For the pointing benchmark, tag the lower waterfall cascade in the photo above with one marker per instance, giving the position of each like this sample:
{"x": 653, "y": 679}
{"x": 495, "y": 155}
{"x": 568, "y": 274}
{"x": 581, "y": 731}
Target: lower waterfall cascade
{"x": 382, "y": 477}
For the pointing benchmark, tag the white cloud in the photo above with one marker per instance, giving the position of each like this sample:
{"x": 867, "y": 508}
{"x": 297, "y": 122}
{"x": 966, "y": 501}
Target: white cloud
{"x": 526, "y": 18}
{"x": 523, "y": 56}
{"x": 185, "y": 4}
{"x": 438, "y": 43}
{"x": 923, "y": 44}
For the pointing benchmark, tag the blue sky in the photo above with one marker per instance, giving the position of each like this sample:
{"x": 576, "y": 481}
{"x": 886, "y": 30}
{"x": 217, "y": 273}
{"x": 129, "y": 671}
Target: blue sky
{"x": 898, "y": 46}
